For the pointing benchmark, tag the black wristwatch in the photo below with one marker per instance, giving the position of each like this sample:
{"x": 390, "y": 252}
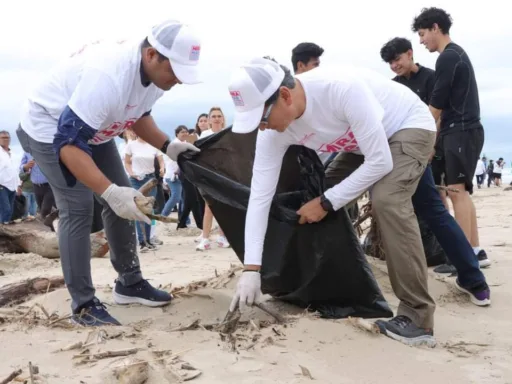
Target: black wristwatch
{"x": 164, "y": 147}
{"x": 326, "y": 204}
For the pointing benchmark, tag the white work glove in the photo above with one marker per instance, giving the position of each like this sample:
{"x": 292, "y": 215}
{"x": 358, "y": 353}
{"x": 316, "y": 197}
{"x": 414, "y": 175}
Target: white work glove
{"x": 176, "y": 147}
{"x": 122, "y": 202}
{"x": 248, "y": 290}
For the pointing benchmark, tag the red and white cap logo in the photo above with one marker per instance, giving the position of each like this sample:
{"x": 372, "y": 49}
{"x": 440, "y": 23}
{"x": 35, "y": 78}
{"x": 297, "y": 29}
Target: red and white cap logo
{"x": 237, "y": 98}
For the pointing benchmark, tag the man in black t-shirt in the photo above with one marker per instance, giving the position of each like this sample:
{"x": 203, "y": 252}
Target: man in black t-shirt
{"x": 455, "y": 106}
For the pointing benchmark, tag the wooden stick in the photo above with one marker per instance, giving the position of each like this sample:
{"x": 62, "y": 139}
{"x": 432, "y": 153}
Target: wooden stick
{"x": 148, "y": 186}
{"x": 108, "y": 354}
{"x": 11, "y": 377}
{"x": 280, "y": 319}
{"x": 163, "y": 219}
{"x": 19, "y": 292}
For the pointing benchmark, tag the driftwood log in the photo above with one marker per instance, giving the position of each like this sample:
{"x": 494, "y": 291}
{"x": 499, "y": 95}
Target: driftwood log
{"x": 37, "y": 237}
{"x": 16, "y": 293}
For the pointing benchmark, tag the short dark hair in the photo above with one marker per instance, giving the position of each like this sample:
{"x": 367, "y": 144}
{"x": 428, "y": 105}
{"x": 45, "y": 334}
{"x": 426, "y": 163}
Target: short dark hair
{"x": 146, "y": 44}
{"x": 180, "y": 128}
{"x": 305, "y": 52}
{"x": 288, "y": 82}
{"x": 394, "y": 48}
{"x": 430, "y": 16}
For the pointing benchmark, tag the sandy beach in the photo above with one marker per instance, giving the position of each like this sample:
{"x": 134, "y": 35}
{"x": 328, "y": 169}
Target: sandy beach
{"x": 474, "y": 344}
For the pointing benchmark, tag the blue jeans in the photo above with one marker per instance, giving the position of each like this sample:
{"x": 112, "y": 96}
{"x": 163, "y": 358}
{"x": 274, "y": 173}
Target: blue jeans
{"x": 146, "y": 235}
{"x": 6, "y": 204}
{"x": 175, "y": 187}
{"x": 30, "y": 204}
{"x": 428, "y": 205}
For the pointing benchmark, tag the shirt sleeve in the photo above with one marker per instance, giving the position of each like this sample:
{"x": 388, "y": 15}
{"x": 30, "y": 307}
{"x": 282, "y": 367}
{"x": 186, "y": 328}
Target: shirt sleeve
{"x": 446, "y": 66}
{"x": 361, "y": 109}
{"x": 431, "y": 81}
{"x": 24, "y": 160}
{"x": 128, "y": 149}
{"x": 271, "y": 147}
{"x": 94, "y": 98}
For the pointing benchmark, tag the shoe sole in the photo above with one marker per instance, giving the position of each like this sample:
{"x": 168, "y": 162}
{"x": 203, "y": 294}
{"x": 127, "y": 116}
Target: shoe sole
{"x": 484, "y": 263}
{"x": 426, "y": 340}
{"x": 125, "y": 300}
{"x": 472, "y": 298}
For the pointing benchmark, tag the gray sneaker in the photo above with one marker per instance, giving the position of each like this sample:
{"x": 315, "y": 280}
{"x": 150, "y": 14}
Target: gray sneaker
{"x": 402, "y": 329}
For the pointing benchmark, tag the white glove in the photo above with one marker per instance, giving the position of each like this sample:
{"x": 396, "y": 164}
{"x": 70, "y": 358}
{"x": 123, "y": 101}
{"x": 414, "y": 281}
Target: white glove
{"x": 248, "y": 290}
{"x": 176, "y": 147}
{"x": 122, "y": 202}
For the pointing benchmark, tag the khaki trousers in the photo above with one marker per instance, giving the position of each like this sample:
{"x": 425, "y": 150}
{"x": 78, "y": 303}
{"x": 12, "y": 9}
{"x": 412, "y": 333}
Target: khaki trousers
{"x": 392, "y": 208}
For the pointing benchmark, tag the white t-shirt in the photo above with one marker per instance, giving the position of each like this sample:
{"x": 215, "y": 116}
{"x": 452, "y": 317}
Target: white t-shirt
{"x": 101, "y": 83}
{"x": 143, "y": 157}
{"x": 480, "y": 168}
{"x": 9, "y": 172}
{"x": 171, "y": 166}
{"x": 347, "y": 110}
{"x": 498, "y": 168}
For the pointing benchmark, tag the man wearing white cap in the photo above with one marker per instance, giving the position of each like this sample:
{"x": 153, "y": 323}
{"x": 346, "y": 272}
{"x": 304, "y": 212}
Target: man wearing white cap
{"x": 68, "y": 125}
{"x": 384, "y": 134}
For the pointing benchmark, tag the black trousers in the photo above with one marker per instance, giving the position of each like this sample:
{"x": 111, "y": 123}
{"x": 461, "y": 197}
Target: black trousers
{"x": 44, "y": 199}
{"x": 192, "y": 202}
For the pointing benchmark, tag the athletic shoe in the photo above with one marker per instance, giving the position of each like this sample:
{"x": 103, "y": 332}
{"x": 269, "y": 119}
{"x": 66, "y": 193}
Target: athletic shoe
{"x": 222, "y": 242}
{"x": 141, "y": 293}
{"x": 204, "y": 245}
{"x": 143, "y": 247}
{"x": 402, "y": 329}
{"x": 483, "y": 260}
{"x": 447, "y": 269}
{"x": 156, "y": 241}
{"x": 480, "y": 295}
{"x": 93, "y": 314}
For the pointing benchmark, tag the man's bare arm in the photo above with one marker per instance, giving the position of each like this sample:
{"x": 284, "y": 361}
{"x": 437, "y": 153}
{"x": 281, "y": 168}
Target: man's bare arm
{"x": 82, "y": 166}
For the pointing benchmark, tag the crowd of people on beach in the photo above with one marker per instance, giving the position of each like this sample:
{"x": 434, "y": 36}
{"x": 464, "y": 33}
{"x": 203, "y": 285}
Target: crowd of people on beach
{"x": 397, "y": 139}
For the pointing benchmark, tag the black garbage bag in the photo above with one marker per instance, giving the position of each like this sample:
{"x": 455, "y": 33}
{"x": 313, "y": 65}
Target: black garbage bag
{"x": 321, "y": 265}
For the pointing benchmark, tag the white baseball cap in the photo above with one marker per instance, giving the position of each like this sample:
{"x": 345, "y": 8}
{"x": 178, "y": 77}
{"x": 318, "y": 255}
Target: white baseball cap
{"x": 250, "y": 87}
{"x": 181, "y": 45}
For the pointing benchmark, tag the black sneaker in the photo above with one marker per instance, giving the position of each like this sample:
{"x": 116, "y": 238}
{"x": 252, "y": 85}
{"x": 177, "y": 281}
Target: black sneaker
{"x": 156, "y": 241}
{"x": 151, "y": 246}
{"x": 93, "y": 314}
{"x": 483, "y": 260}
{"x": 141, "y": 293}
{"x": 143, "y": 247}
{"x": 402, "y": 329}
{"x": 447, "y": 269}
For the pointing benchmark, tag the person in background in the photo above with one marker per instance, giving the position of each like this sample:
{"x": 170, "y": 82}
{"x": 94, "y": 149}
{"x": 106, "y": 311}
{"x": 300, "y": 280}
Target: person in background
{"x": 498, "y": 170}
{"x": 139, "y": 162}
{"x": 306, "y": 56}
{"x": 455, "y": 106}
{"x": 399, "y": 55}
{"x": 201, "y": 124}
{"x": 9, "y": 179}
{"x": 490, "y": 173}
{"x": 27, "y": 188}
{"x": 159, "y": 202}
{"x": 171, "y": 176}
{"x": 217, "y": 124}
{"x": 480, "y": 172}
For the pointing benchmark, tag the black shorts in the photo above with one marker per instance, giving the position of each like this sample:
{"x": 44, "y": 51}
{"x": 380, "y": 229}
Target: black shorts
{"x": 456, "y": 157}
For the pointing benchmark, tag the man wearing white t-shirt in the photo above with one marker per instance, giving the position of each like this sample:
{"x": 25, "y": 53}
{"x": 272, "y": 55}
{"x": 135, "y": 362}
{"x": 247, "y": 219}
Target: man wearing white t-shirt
{"x": 385, "y": 135}
{"x": 68, "y": 124}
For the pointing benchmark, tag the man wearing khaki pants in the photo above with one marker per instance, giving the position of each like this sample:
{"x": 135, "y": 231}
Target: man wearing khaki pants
{"x": 385, "y": 135}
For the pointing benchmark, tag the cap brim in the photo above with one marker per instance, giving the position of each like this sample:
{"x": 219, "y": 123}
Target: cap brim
{"x": 247, "y": 121}
{"x": 187, "y": 74}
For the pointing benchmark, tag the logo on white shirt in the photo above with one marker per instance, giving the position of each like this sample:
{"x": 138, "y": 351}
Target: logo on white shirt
{"x": 344, "y": 143}
{"x": 113, "y": 130}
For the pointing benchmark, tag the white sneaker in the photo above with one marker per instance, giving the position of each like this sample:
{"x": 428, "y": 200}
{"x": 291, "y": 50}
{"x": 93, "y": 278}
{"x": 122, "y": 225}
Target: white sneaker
{"x": 198, "y": 238}
{"x": 204, "y": 245}
{"x": 222, "y": 242}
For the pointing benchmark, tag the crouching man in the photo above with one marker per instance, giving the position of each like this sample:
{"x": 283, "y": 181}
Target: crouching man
{"x": 385, "y": 136}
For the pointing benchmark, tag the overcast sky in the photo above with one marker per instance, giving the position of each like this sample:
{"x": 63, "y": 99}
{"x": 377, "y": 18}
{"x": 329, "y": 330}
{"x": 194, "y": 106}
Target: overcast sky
{"x": 35, "y": 34}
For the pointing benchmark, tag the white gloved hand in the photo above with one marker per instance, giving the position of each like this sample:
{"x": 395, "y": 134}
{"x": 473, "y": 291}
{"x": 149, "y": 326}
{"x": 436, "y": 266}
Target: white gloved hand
{"x": 122, "y": 202}
{"x": 176, "y": 147}
{"x": 248, "y": 290}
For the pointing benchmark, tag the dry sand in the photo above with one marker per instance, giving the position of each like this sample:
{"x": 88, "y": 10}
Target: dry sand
{"x": 474, "y": 344}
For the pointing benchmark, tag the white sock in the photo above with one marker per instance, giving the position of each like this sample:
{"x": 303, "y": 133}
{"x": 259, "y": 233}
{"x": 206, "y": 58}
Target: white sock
{"x": 476, "y": 250}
